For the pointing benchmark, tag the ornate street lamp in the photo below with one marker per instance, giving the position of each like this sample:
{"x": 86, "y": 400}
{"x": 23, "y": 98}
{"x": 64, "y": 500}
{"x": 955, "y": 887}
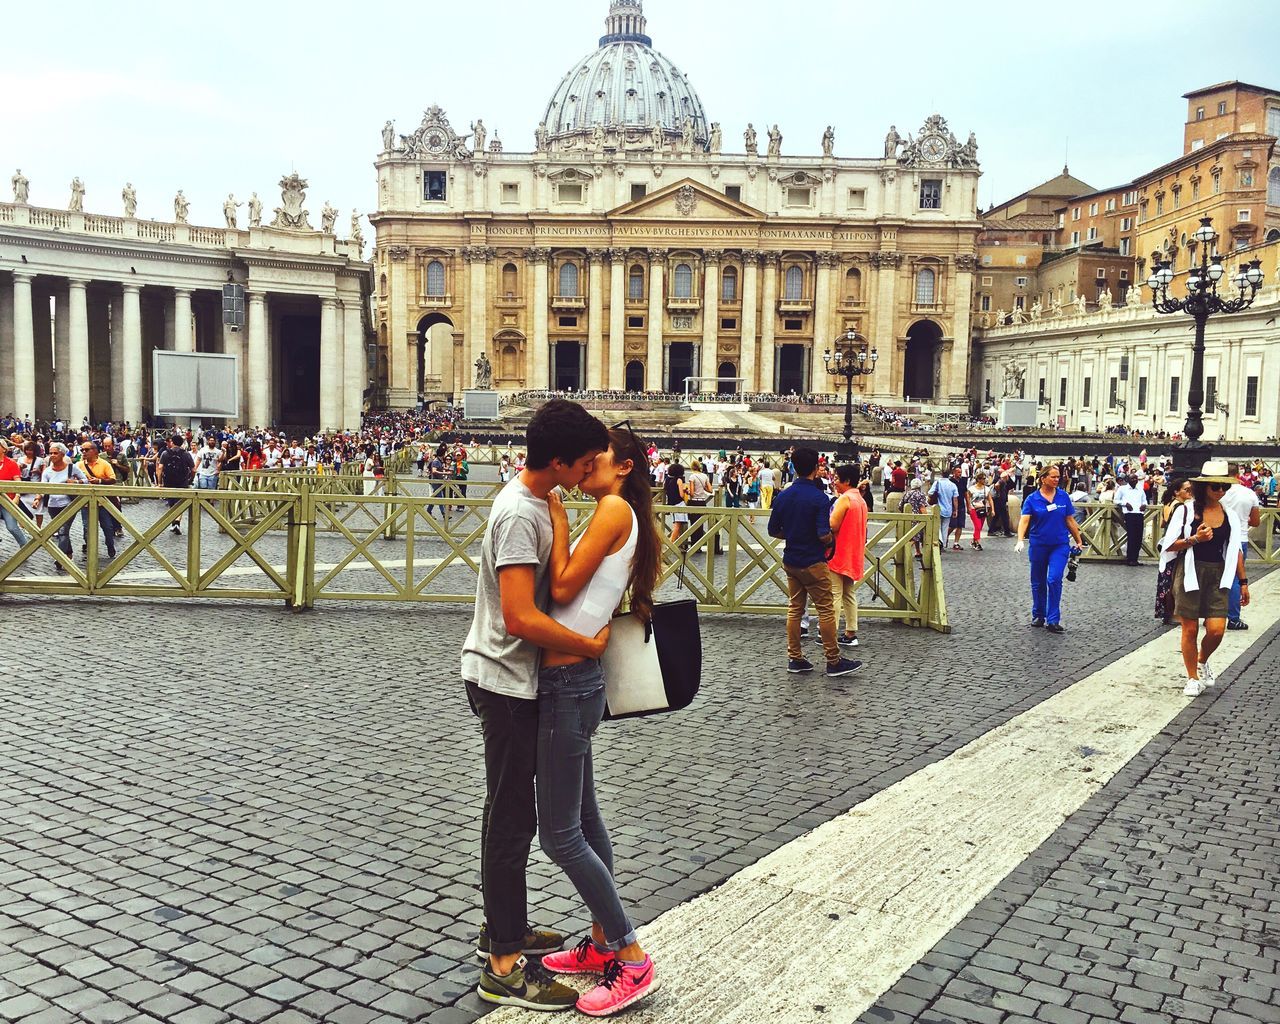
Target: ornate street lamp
{"x": 851, "y": 360}
{"x": 1201, "y": 302}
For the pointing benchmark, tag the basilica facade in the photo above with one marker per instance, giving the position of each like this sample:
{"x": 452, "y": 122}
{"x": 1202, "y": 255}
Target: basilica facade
{"x": 629, "y": 251}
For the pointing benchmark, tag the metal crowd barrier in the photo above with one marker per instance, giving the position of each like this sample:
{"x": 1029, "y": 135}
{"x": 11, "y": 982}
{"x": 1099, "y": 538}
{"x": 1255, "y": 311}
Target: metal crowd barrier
{"x": 1103, "y": 529}
{"x": 313, "y": 544}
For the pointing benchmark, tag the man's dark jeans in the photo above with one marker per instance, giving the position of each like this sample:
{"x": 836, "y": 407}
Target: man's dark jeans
{"x": 510, "y": 821}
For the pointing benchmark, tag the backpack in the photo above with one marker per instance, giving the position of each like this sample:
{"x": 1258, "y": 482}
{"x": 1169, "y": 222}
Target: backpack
{"x": 177, "y": 468}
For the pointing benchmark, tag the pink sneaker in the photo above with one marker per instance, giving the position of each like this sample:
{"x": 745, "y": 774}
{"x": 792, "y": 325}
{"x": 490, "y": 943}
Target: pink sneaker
{"x": 622, "y": 985}
{"x": 584, "y": 958}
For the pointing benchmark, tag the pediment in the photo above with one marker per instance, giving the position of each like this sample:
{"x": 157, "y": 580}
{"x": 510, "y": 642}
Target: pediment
{"x": 688, "y": 200}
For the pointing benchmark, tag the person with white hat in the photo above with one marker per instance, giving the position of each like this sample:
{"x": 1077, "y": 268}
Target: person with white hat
{"x": 1209, "y": 537}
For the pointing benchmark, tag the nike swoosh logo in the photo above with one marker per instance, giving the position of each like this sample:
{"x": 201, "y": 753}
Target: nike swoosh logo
{"x": 644, "y": 977}
{"x": 517, "y": 992}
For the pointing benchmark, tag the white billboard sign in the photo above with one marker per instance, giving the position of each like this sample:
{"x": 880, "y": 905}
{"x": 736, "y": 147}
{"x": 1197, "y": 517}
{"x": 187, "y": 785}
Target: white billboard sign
{"x": 196, "y": 384}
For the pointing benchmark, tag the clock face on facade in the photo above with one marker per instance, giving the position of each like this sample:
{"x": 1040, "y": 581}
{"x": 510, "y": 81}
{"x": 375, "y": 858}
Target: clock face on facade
{"x": 933, "y": 148}
{"x": 435, "y": 142}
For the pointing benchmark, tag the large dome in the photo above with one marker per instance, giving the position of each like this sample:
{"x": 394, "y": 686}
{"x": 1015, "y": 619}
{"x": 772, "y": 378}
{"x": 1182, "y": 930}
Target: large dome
{"x": 625, "y": 83}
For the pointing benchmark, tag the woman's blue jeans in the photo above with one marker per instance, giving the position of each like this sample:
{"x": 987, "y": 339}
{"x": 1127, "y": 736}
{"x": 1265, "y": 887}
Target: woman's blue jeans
{"x": 571, "y": 830}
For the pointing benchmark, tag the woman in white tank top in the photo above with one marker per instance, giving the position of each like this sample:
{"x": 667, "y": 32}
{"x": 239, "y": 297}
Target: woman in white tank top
{"x": 619, "y": 552}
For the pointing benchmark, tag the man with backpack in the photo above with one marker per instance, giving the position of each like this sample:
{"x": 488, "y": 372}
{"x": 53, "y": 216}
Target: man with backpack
{"x": 176, "y": 471}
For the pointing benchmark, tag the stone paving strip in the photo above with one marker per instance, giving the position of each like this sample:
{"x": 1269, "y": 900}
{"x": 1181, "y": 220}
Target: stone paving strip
{"x": 833, "y": 919}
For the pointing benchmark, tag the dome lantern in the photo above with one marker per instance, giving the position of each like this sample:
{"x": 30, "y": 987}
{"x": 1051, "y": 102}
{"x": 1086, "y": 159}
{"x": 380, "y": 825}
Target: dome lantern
{"x": 625, "y": 24}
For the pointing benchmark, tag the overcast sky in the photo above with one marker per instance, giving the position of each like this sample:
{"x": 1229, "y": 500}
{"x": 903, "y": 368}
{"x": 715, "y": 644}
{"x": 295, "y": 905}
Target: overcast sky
{"x": 228, "y": 98}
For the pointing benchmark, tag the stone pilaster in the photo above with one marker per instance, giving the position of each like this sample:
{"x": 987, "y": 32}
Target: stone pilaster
{"x": 330, "y": 366}
{"x": 24, "y": 347}
{"x": 354, "y": 371}
{"x": 131, "y": 353}
{"x": 711, "y": 311}
{"x": 749, "y": 369}
{"x": 595, "y": 320}
{"x": 769, "y": 322}
{"x": 617, "y": 319}
{"x": 77, "y": 354}
{"x": 258, "y": 368}
{"x": 655, "y": 375}
{"x": 538, "y": 355}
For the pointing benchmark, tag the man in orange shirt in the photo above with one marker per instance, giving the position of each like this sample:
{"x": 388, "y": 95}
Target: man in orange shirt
{"x": 100, "y": 473}
{"x": 10, "y": 470}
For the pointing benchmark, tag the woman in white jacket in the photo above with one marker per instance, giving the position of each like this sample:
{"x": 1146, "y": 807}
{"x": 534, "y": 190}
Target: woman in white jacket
{"x": 1204, "y": 541}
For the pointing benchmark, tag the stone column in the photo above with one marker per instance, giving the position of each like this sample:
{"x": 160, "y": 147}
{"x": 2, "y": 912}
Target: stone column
{"x": 258, "y": 370}
{"x": 99, "y": 310}
{"x": 710, "y": 312}
{"x": 538, "y": 355}
{"x": 354, "y": 366}
{"x": 44, "y": 354}
{"x": 6, "y": 349}
{"x": 117, "y": 358}
{"x": 655, "y": 372}
{"x": 401, "y": 355}
{"x": 769, "y": 323}
{"x": 330, "y": 366}
{"x": 823, "y": 335}
{"x": 749, "y": 346}
{"x": 131, "y": 353}
{"x": 77, "y": 353}
{"x": 595, "y": 320}
{"x": 885, "y": 335}
{"x": 61, "y": 346}
{"x": 958, "y": 373}
{"x": 184, "y": 339}
{"x": 24, "y": 347}
{"x": 478, "y": 258}
{"x": 617, "y": 379}
{"x": 233, "y": 344}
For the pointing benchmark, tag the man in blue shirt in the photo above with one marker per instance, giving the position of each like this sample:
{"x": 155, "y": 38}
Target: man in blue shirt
{"x": 801, "y": 515}
{"x": 946, "y": 495}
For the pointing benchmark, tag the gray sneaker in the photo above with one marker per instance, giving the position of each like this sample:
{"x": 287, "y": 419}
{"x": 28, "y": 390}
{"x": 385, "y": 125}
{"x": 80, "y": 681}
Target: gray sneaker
{"x": 528, "y": 986}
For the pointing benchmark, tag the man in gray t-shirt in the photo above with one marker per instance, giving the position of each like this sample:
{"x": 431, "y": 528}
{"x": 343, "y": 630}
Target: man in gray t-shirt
{"x": 500, "y": 667}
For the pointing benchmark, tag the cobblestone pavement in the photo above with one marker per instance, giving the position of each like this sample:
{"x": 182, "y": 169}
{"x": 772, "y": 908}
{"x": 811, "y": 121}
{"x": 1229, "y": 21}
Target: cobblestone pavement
{"x": 1156, "y": 902}
{"x": 222, "y": 813}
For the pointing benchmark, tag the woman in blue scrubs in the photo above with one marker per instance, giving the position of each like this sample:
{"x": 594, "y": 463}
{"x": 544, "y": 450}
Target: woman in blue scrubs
{"x": 1048, "y": 521}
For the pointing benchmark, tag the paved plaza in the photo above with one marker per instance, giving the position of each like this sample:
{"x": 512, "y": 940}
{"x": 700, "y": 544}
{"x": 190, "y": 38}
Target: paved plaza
{"x": 212, "y": 812}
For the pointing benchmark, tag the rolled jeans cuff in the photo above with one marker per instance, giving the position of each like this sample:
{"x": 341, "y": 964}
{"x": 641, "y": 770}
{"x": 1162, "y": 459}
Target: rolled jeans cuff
{"x": 623, "y": 942}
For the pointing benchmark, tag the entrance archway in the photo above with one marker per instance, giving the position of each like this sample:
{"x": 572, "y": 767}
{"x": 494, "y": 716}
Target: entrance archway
{"x": 922, "y": 365}
{"x": 679, "y": 365}
{"x": 791, "y": 362}
{"x": 435, "y": 336}
{"x": 300, "y": 370}
{"x": 635, "y": 376}
{"x": 727, "y": 387}
{"x": 567, "y": 365}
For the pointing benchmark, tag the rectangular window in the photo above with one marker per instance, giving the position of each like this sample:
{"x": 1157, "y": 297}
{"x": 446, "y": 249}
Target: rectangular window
{"x": 1019, "y": 302}
{"x": 510, "y": 192}
{"x": 1251, "y": 396}
{"x": 1124, "y": 275}
{"x": 1243, "y": 216}
{"x": 1087, "y": 394}
{"x": 1062, "y": 219}
{"x": 1124, "y": 247}
{"x": 635, "y": 321}
{"x": 1075, "y": 214}
{"x": 1197, "y": 144}
{"x": 1020, "y": 282}
{"x": 728, "y": 324}
{"x": 1093, "y": 209}
{"x": 1126, "y": 223}
{"x": 568, "y": 321}
{"x": 987, "y": 388}
{"x": 1195, "y": 189}
{"x": 931, "y": 194}
{"x": 1113, "y": 392}
{"x": 1020, "y": 261}
{"x": 857, "y": 198}
{"x": 1246, "y": 179}
{"x": 1222, "y": 107}
{"x": 1273, "y": 121}
{"x": 1210, "y": 395}
{"x": 568, "y": 193}
{"x": 435, "y": 186}
{"x": 1199, "y": 113}
{"x": 1044, "y": 391}
{"x": 1093, "y": 234}
{"x": 1124, "y": 367}
{"x": 1111, "y": 205}
{"x": 986, "y": 261}
{"x": 1075, "y": 238}
{"x": 984, "y": 303}
{"x": 733, "y": 192}
{"x": 1177, "y": 198}
{"x": 1062, "y": 392}
{"x": 1101, "y": 274}
{"x": 1175, "y": 384}
{"x": 1159, "y": 205}
{"x": 793, "y": 325}
{"x": 638, "y": 191}
{"x": 986, "y": 280}
{"x": 799, "y": 197}
{"x": 1217, "y": 184}
{"x": 1142, "y": 394}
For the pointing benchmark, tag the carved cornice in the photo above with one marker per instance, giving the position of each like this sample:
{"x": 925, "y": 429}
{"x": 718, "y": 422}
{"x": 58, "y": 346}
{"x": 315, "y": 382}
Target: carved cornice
{"x": 712, "y": 257}
{"x": 771, "y": 259}
{"x": 657, "y": 254}
{"x": 827, "y": 259}
{"x": 616, "y": 255}
{"x": 537, "y": 255}
{"x": 966, "y": 261}
{"x": 596, "y": 255}
{"x": 479, "y": 254}
{"x": 885, "y": 259}
{"x": 398, "y": 253}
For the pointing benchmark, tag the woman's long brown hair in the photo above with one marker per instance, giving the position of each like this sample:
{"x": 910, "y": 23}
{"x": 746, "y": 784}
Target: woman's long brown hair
{"x": 638, "y": 494}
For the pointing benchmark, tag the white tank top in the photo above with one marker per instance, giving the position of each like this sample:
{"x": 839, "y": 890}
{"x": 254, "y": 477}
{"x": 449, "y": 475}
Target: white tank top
{"x": 591, "y": 610}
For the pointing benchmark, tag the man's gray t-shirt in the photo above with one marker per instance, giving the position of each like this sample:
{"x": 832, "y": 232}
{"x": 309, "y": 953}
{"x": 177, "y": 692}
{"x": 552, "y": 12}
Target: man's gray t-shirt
{"x": 519, "y": 533}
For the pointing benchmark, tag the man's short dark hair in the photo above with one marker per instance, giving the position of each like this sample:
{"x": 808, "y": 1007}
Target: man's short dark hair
{"x": 563, "y": 430}
{"x": 178, "y": 439}
{"x": 804, "y": 461}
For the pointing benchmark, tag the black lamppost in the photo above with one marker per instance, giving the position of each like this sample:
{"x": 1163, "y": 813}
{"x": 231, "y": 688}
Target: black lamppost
{"x": 851, "y": 360}
{"x": 1201, "y": 302}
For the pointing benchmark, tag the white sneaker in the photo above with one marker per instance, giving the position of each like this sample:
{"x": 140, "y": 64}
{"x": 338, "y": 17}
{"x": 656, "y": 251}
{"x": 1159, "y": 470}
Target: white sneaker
{"x": 1207, "y": 676}
{"x": 1193, "y": 688}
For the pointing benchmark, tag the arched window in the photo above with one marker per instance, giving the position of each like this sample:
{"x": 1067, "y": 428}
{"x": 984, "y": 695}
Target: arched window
{"x": 794, "y": 287}
{"x": 729, "y": 285}
{"x": 569, "y": 280}
{"x": 1273, "y": 187}
{"x": 510, "y": 280}
{"x": 925, "y": 280}
{"x": 382, "y": 285}
{"x": 853, "y": 285}
{"x": 682, "y": 282}
{"x": 435, "y": 280}
{"x": 635, "y": 283}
